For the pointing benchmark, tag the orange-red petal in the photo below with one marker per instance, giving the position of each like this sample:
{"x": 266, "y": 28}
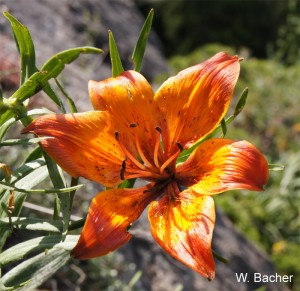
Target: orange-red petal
{"x": 218, "y": 165}
{"x": 83, "y": 144}
{"x": 110, "y": 215}
{"x": 129, "y": 99}
{"x": 194, "y": 101}
{"x": 183, "y": 227}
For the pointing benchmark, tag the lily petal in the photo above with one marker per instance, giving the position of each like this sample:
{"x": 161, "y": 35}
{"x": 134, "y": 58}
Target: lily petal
{"x": 195, "y": 100}
{"x": 110, "y": 215}
{"x": 130, "y": 100}
{"x": 218, "y": 165}
{"x": 184, "y": 228}
{"x": 83, "y": 144}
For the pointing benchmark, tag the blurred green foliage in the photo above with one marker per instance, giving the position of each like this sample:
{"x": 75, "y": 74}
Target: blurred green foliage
{"x": 262, "y": 26}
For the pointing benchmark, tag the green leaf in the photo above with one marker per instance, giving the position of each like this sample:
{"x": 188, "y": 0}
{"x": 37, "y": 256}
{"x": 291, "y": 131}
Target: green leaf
{"x": 49, "y": 91}
{"x": 25, "y": 141}
{"x": 39, "y": 191}
{"x": 140, "y": 47}
{"x": 17, "y": 176}
{"x": 51, "y": 69}
{"x": 39, "y": 111}
{"x": 21, "y": 250}
{"x": 276, "y": 167}
{"x": 39, "y": 224}
{"x": 25, "y": 46}
{"x": 32, "y": 224}
{"x": 64, "y": 203}
{"x": 5, "y": 116}
{"x": 34, "y": 271}
{"x": 127, "y": 184}
{"x": 116, "y": 63}
{"x": 223, "y": 127}
{"x": 241, "y": 103}
{"x": 5, "y": 126}
{"x": 69, "y": 99}
{"x": 220, "y": 258}
{"x": 35, "y": 154}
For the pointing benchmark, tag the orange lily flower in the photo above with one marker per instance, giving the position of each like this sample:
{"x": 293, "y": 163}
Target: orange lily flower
{"x": 134, "y": 133}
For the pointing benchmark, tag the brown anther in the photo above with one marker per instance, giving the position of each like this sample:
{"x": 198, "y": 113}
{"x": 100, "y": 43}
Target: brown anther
{"x": 124, "y": 165}
{"x": 122, "y": 172}
{"x": 132, "y": 125}
{"x": 158, "y": 129}
{"x": 179, "y": 146}
{"x": 116, "y": 135}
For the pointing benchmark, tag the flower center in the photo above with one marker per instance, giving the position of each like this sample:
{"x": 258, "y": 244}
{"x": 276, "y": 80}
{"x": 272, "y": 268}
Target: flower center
{"x": 144, "y": 160}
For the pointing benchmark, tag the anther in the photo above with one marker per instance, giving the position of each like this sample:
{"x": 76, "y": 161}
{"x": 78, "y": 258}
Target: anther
{"x": 158, "y": 129}
{"x": 124, "y": 165}
{"x": 132, "y": 125}
{"x": 122, "y": 172}
{"x": 179, "y": 146}
{"x": 116, "y": 135}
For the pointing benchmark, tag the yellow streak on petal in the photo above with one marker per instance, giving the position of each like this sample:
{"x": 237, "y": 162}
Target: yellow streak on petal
{"x": 184, "y": 227}
{"x": 218, "y": 165}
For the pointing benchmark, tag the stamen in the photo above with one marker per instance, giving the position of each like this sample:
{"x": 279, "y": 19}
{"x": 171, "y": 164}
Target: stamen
{"x": 140, "y": 152}
{"x": 179, "y": 146}
{"x": 168, "y": 161}
{"x": 124, "y": 165}
{"x": 131, "y": 157}
{"x": 116, "y": 135}
{"x": 122, "y": 172}
{"x": 156, "y": 147}
{"x": 141, "y": 174}
{"x": 158, "y": 129}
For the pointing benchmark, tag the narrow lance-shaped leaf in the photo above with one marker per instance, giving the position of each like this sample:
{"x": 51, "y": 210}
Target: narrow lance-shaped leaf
{"x": 140, "y": 47}
{"x": 25, "y": 46}
{"x": 39, "y": 191}
{"x": 51, "y": 69}
{"x": 40, "y": 224}
{"x": 116, "y": 64}
{"x": 241, "y": 103}
{"x": 49, "y": 91}
{"x": 34, "y": 271}
{"x": 31, "y": 224}
{"x": 276, "y": 167}
{"x": 63, "y": 204}
{"x": 223, "y": 127}
{"x": 127, "y": 183}
{"x": 26, "y": 175}
{"x": 69, "y": 99}
{"x": 35, "y": 154}
{"x": 25, "y": 141}
{"x": 21, "y": 250}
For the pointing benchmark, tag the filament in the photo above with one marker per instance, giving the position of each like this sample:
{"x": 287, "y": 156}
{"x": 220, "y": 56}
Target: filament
{"x": 131, "y": 157}
{"x": 168, "y": 161}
